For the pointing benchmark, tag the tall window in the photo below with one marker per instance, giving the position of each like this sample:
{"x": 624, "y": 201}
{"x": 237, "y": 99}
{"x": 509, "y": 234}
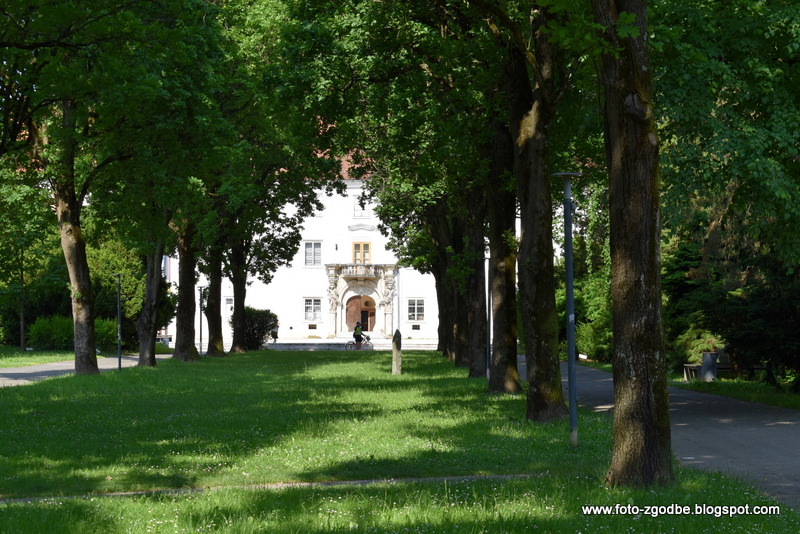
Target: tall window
{"x": 416, "y": 309}
{"x": 313, "y": 309}
{"x": 313, "y": 253}
{"x": 361, "y": 253}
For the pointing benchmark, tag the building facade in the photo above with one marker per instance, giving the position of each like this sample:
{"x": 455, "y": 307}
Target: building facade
{"x": 342, "y": 274}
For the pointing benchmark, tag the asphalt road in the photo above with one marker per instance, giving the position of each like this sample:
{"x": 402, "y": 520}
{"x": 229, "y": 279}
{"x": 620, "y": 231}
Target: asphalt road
{"x": 756, "y": 442}
{"x": 753, "y": 441}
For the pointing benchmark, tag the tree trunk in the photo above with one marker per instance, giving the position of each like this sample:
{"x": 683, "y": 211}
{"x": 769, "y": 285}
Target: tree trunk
{"x": 185, "y": 348}
{"x": 68, "y": 211}
{"x": 446, "y": 313}
{"x": 237, "y": 260}
{"x": 641, "y": 454}
{"x": 502, "y": 209}
{"x": 74, "y": 246}
{"x": 531, "y": 115}
{"x": 438, "y": 227}
{"x": 474, "y": 294}
{"x": 146, "y": 327}
{"x": 213, "y": 305}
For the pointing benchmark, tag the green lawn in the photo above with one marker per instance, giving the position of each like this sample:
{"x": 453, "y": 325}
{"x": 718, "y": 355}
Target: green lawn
{"x": 224, "y": 431}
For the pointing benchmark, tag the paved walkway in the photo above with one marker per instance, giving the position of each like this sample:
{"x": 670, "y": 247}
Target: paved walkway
{"x": 751, "y": 440}
{"x": 18, "y": 376}
{"x": 754, "y": 441}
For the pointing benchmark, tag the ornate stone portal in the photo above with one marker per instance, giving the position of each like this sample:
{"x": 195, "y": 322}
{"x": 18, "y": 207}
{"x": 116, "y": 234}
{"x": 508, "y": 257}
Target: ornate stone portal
{"x": 367, "y": 281}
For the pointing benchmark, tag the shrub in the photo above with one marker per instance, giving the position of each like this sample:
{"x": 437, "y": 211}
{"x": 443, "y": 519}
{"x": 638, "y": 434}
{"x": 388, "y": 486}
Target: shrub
{"x": 57, "y": 333}
{"x": 163, "y": 348}
{"x": 52, "y": 333}
{"x": 105, "y": 335}
{"x": 594, "y": 340}
{"x": 257, "y": 326}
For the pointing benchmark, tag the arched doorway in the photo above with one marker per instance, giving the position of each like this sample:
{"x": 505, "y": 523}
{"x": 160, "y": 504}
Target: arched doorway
{"x": 361, "y": 308}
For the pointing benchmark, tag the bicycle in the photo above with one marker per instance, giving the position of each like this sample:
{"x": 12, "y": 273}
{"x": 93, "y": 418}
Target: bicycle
{"x": 366, "y": 344}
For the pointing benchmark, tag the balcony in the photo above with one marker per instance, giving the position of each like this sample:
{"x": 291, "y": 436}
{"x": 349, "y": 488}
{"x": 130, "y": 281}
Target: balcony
{"x": 360, "y": 271}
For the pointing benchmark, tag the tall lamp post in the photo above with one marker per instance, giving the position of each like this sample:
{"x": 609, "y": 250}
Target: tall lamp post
{"x": 119, "y": 320}
{"x": 573, "y": 398}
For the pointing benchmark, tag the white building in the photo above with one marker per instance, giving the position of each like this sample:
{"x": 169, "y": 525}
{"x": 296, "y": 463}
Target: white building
{"x": 342, "y": 273}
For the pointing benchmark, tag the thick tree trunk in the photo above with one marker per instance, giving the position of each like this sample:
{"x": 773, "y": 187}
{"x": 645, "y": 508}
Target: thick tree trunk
{"x": 641, "y": 454}
{"x": 74, "y": 247}
{"x": 185, "y": 348}
{"x": 445, "y": 334}
{"x": 531, "y": 115}
{"x": 462, "y": 302}
{"x": 439, "y": 230}
{"x": 237, "y": 260}
{"x": 213, "y": 305}
{"x": 146, "y": 327}
{"x": 502, "y": 209}
{"x": 474, "y": 294}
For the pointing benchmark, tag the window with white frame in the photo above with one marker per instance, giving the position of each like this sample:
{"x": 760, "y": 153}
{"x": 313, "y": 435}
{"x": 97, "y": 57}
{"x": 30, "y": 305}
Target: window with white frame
{"x": 313, "y": 309}
{"x": 416, "y": 309}
{"x": 313, "y": 253}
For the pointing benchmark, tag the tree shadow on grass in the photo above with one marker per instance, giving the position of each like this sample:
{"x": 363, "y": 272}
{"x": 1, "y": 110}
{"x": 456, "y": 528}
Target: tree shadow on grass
{"x": 182, "y": 426}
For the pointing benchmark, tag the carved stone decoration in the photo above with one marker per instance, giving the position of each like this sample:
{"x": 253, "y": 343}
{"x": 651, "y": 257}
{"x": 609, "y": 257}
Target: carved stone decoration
{"x": 388, "y": 293}
{"x": 334, "y": 298}
{"x": 362, "y": 227}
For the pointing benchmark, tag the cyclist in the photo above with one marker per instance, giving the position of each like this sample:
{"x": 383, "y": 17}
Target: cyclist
{"x": 357, "y": 334}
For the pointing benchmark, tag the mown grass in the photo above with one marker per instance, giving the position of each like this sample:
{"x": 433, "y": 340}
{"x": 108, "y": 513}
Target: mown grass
{"x": 225, "y": 427}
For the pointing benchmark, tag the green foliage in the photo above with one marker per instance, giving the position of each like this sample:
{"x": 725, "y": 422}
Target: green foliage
{"x": 732, "y": 294}
{"x": 107, "y": 258}
{"x": 56, "y": 333}
{"x": 257, "y": 326}
{"x": 592, "y": 271}
{"x": 685, "y": 291}
{"x": 105, "y": 335}
{"x": 52, "y": 333}
{"x": 728, "y": 84}
{"x": 162, "y": 348}
{"x": 44, "y": 293}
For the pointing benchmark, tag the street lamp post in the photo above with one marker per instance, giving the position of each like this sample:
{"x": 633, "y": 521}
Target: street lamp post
{"x": 489, "y": 334}
{"x": 573, "y": 404}
{"x": 119, "y": 320}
